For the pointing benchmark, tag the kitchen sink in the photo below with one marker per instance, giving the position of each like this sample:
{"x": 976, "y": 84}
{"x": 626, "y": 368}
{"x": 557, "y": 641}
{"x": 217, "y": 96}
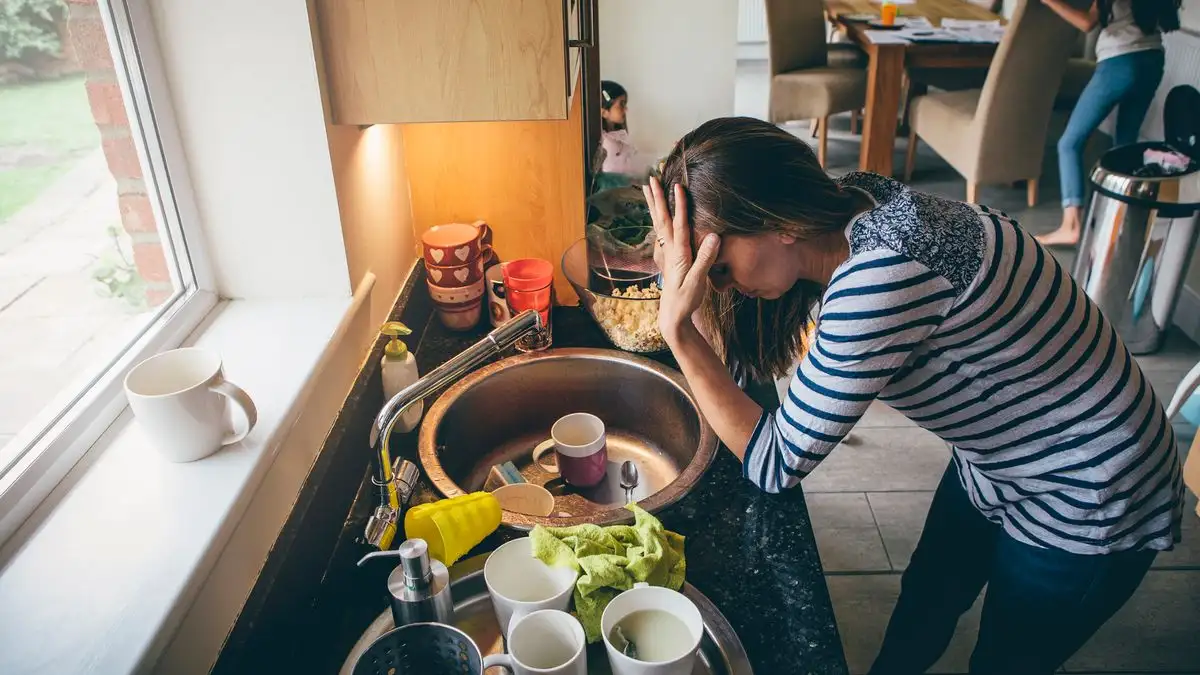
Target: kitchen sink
{"x": 501, "y": 411}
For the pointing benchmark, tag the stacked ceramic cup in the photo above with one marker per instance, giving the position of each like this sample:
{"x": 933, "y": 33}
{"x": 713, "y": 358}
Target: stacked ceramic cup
{"x": 455, "y": 256}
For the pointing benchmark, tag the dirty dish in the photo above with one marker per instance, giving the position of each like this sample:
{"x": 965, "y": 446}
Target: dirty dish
{"x": 580, "y": 447}
{"x": 453, "y": 526}
{"x": 520, "y": 584}
{"x": 665, "y": 626}
{"x": 545, "y": 642}
{"x": 453, "y": 244}
{"x": 525, "y": 498}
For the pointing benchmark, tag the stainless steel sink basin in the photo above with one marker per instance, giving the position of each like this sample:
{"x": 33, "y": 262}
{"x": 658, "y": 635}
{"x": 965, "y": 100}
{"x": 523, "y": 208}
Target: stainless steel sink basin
{"x": 500, "y": 412}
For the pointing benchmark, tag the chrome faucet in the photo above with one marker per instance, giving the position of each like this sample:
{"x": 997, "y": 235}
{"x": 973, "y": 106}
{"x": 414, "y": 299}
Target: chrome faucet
{"x": 381, "y": 528}
{"x": 504, "y": 336}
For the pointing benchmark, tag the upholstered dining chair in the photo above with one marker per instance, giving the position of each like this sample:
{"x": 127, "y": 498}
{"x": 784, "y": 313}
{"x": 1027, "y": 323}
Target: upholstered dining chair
{"x": 997, "y": 134}
{"x": 810, "y": 78}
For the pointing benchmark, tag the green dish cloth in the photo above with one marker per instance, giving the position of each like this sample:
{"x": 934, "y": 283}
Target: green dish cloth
{"x": 611, "y": 560}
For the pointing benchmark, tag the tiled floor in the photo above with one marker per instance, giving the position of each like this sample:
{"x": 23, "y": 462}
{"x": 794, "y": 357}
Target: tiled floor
{"x": 869, "y": 499}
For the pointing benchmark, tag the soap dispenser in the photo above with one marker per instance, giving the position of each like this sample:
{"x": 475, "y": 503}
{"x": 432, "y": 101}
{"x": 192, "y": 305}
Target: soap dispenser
{"x": 419, "y": 586}
{"x": 399, "y": 371}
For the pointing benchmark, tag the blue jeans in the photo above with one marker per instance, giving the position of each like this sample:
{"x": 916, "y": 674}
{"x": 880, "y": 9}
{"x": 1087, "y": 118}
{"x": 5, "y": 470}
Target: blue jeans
{"x": 1125, "y": 82}
{"x": 1041, "y": 604}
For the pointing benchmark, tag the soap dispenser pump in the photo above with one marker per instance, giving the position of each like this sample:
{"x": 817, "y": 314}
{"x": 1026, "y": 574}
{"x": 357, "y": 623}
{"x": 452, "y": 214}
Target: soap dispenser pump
{"x": 399, "y": 369}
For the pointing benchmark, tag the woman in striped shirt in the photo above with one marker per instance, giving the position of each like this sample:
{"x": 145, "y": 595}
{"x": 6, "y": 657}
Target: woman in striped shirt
{"x": 1064, "y": 481}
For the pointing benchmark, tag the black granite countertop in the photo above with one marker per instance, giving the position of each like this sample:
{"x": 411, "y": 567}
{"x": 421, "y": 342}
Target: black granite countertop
{"x": 752, "y": 554}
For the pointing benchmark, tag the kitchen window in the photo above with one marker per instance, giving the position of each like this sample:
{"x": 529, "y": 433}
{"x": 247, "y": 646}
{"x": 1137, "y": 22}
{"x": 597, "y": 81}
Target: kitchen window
{"x": 99, "y": 258}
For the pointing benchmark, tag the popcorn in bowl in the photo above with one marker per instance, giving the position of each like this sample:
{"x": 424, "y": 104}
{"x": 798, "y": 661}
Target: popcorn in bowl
{"x": 630, "y": 318}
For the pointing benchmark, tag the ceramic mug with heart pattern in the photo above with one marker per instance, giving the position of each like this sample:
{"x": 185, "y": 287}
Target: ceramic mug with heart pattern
{"x": 456, "y": 276}
{"x": 459, "y": 308}
{"x": 453, "y": 244}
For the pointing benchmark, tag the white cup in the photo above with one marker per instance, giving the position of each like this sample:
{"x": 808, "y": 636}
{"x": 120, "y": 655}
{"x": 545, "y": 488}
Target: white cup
{"x": 498, "y": 311}
{"x": 521, "y": 584}
{"x": 545, "y": 642}
{"x": 646, "y": 597}
{"x": 179, "y": 398}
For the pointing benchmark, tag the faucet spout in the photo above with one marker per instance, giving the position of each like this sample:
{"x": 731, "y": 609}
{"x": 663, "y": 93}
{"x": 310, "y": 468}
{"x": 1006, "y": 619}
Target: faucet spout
{"x": 504, "y": 336}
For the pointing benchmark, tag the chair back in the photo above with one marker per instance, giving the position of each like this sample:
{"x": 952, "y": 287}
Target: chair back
{"x": 1017, "y": 100}
{"x": 795, "y": 35}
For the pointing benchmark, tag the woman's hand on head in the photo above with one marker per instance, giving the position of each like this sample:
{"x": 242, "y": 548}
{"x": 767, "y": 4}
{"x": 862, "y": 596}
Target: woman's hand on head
{"x": 684, "y": 275}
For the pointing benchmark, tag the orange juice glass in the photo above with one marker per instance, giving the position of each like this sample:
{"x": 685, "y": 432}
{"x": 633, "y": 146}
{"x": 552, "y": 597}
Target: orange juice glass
{"x": 887, "y": 13}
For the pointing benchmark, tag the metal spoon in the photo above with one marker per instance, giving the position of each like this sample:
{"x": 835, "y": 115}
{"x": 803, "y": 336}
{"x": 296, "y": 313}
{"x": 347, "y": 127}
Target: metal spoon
{"x": 629, "y": 479}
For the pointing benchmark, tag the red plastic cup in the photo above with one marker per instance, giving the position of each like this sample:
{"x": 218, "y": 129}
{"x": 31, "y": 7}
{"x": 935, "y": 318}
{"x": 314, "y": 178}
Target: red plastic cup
{"x": 529, "y": 284}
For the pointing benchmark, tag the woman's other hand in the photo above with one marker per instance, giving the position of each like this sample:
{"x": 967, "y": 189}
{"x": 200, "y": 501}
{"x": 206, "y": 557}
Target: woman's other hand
{"x": 684, "y": 275}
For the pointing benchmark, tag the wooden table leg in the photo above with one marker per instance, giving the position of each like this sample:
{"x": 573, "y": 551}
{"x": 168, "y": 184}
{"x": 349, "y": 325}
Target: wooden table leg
{"x": 884, "y": 77}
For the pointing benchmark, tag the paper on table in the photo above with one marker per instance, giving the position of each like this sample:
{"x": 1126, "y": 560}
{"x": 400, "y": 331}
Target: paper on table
{"x": 984, "y": 34}
{"x": 969, "y": 23}
{"x": 930, "y": 35}
{"x": 885, "y": 37}
{"x": 913, "y": 21}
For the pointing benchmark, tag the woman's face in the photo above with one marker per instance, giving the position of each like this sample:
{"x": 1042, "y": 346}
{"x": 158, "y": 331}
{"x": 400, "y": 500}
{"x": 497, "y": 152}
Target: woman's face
{"x": 757, "y": 266}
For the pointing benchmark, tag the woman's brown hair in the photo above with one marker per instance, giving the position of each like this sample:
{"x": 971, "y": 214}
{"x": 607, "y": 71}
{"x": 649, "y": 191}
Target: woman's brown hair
{"x": 746, "y": 177}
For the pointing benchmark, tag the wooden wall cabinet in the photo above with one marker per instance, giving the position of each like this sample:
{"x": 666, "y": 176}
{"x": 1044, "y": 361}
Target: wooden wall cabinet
{"x": 399, "y": 61}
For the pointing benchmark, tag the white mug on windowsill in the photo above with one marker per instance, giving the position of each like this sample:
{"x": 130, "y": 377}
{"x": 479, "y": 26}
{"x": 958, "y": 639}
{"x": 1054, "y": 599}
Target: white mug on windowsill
{"x": 179, "y": 398}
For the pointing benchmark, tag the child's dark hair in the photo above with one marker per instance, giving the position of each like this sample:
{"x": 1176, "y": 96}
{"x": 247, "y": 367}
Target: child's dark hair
{"x": 609, "y": 93}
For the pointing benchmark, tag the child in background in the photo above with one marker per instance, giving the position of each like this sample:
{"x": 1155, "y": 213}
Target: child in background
{"x": 621, "y": 157}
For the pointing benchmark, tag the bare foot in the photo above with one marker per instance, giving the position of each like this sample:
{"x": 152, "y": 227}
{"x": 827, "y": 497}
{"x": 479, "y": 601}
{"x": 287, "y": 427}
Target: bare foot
{"x": 1063, "y": 236}
{"x": 1067, "y": 233}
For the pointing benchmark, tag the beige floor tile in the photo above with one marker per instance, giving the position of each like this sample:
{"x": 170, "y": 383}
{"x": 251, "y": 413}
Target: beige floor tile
{"x": 882, "y": 459}
{"x": 901, "y": 517}
{"x": 863, "y": 603}
{"x": 1165, "y": 382}
{"x": 1178, "y": 354}
{"x": 882, "y": 415}
{"x": 847, "y": 538}
{"x": 1186, "y": 553}
{"x": 1155, "y": 631}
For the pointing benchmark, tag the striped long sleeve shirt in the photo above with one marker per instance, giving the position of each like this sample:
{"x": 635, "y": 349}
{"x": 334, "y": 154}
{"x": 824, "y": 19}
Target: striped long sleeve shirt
{"x": 956, "y": 318}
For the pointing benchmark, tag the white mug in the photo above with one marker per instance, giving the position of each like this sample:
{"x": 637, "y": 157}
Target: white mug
{"x": 548, "y": 642}
{"x": 179, "y": 397}
{"x": 498, "y": 311}
{"x": 580, "y": 447}
{"x": 676, "y": 658}
{"x": 521, "y": 584}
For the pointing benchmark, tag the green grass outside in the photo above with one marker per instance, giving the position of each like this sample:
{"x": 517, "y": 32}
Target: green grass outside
{"x": 55, "y": 117}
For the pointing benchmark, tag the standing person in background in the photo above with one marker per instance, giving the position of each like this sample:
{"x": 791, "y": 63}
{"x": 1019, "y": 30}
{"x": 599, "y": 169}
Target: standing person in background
{"x": 1130, "y": 59}
{"x": 621, "y": 157}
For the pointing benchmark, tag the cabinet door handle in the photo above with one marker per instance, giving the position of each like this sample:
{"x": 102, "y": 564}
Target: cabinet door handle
{"x": 587, "y": 36}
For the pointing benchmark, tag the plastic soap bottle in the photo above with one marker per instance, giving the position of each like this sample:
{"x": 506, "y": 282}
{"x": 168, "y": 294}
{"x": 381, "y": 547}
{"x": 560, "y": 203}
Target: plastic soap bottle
{"x": 400, "y": 370}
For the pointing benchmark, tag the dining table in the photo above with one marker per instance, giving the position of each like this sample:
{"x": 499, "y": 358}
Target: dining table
{"x": 888, "y": 61}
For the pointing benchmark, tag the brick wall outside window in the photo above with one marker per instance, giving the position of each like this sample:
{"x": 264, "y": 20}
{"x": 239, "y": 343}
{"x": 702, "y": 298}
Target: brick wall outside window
{"x": 88, "y": 48}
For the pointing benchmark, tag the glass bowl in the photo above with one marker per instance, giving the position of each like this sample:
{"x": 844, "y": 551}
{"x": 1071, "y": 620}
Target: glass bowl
{"x": 614, "y": 274}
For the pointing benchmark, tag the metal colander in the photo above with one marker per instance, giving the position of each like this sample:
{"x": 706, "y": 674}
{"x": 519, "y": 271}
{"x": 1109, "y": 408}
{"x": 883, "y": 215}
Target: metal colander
{"x": 421, "y": 649}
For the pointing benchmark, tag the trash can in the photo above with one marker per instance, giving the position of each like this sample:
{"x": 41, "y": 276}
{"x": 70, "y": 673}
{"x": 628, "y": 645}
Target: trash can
{"x": 1141, "y": 227}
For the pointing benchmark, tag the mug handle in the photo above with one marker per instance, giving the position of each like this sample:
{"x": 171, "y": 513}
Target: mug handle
{"x": 240, "y": 399}
{"x": 540, "y": 450}
{"x": 502, "y": 660}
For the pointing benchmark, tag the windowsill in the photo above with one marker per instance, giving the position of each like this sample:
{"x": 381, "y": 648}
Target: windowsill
{"x": 121, "y": 548}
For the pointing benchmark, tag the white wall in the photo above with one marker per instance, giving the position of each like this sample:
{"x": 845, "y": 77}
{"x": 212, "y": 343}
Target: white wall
{"x": 1190, "y": 16}
{"x": 677, "y": 60}
{"x": 244, "y": 85}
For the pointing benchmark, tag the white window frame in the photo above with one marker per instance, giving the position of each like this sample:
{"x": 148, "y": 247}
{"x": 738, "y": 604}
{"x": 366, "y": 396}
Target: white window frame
{"x": 62, "y": 438}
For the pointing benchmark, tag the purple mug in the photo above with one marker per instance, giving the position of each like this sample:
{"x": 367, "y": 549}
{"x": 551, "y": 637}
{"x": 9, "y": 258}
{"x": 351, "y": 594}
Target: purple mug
{"x": 580, "y": 448}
